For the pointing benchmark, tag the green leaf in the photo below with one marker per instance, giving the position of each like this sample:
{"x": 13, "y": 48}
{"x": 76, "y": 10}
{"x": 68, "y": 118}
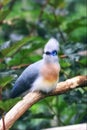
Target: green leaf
{"x": 76, "y": 23}
{"x": 65, "y": 63}
{"x": 5, "y": 80}
{"x": 5, "y": 2}
{"x": 6, "y": 105}
{"x": 2, "y": 66}
{"x": 16, "y": 46}
{"x": 3, "y": 14}
{"x": 83, "y": 61}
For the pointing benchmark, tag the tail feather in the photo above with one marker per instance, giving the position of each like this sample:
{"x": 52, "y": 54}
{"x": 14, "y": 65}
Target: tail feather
{"x": 19, "y": 88}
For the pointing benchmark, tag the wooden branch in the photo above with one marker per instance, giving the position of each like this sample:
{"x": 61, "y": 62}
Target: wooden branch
{"x": 33, "y": 97}
{"x": 71, "y": 127}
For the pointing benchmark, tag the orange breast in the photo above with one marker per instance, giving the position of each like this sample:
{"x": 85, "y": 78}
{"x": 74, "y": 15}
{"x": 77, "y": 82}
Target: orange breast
{"x": 50, "y": 72}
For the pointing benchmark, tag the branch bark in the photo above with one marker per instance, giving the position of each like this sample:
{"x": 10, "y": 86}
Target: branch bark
{"x": 33, "y": 97}
{"x": 71, "y": 127}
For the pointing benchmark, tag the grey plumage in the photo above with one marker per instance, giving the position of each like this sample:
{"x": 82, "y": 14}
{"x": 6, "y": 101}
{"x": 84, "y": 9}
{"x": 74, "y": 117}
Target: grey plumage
{"x": 25, "y": 80}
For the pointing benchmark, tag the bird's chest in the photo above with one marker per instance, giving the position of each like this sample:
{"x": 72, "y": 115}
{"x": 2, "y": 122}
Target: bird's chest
{"x": 50, "y": 72}
{"x": 47, "y": 79}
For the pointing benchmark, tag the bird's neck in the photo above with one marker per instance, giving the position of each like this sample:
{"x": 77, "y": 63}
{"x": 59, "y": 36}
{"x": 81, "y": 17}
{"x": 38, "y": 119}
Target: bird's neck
{"x": 51, "y": 60}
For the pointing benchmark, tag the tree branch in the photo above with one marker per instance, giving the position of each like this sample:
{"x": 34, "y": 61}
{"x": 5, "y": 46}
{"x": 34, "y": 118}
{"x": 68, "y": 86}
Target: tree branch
{"x": 33, "y": 97}
{"x": 71, "y": 127}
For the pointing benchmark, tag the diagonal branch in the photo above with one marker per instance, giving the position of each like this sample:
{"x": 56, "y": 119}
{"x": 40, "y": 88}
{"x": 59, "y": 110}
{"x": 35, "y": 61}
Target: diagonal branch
{"x": 33, "y": 97}
{"x": 70, "y": 127}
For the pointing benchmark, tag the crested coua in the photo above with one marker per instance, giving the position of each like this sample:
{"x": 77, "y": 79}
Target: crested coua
{"x": 42, "y": 75}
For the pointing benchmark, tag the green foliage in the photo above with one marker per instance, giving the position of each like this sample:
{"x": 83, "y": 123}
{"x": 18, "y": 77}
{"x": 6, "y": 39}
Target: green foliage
{"x": 25, "y": 27}
{"x": 7, "y": 105}
{"x": 5, "y": 80}
{"x": 13, "y": 49}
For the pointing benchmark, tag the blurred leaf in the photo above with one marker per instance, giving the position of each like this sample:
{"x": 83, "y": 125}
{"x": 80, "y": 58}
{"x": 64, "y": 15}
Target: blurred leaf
{"x": 65, "y": 63}
{"x": 5, "y": 80}
{"x": 61, "y": 104}
{"x": 74, "y": 24}
{"x": 5, "y": 2}
{"x": 81, "y": 117}
{"x": 6, "y": 105}
{"x": 16, "y": 46}
{"x": 2, "y": 66}
{"x": 83, "y": 61}
{"x": 4, "y": 14}
{"x": 71, "y": 114}
{"x": 42, "y": 115}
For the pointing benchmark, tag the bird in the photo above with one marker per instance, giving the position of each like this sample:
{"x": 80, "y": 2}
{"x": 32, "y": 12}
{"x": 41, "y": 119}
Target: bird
{"x": 42, "y": 75}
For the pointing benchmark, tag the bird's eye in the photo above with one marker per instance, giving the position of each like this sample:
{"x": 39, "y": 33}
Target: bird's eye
{"x": 47, "y": 53}
{"x": 54, "y": 53}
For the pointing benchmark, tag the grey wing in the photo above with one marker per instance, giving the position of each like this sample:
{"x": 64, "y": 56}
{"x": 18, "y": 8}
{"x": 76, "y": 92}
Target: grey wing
{"x": 25, "y": 80}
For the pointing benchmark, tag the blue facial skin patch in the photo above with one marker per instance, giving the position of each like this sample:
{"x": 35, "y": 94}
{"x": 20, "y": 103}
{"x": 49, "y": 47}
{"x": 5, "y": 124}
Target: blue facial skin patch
{"x": 53, "y": 53}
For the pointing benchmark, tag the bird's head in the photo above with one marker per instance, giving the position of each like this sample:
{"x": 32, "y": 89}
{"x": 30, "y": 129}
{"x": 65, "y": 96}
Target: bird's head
{"x": 51, "y": 50}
